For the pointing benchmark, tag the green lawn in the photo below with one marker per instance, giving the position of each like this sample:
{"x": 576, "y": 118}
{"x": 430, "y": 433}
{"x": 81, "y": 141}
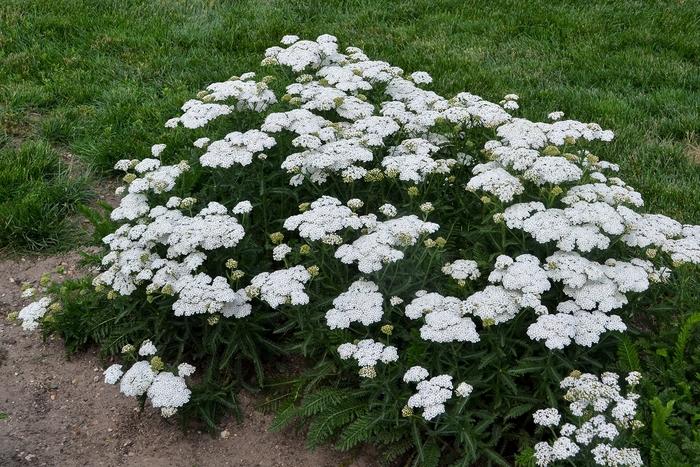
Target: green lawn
{"x": 38, "y": 191}
{"x": 100, "y": 78}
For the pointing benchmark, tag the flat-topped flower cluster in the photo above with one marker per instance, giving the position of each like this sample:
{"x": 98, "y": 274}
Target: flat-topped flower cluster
{"x": 601, "y": 414}
{"x": 414, "y": 217}
{"x": 165, "y": 390}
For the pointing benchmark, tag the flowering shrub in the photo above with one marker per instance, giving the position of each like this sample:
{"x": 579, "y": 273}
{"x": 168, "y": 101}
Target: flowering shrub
{"x": 440, "y": 263}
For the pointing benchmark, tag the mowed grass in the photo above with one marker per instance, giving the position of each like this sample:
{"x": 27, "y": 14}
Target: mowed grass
{"x": 100, "y": 78}
{"x": 37, "y": 196}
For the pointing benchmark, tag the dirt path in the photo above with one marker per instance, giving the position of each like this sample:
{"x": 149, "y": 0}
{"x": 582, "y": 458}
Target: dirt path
{"x": 60, "y": 413}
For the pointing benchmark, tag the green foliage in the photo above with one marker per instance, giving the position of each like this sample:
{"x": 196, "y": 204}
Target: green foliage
{"x": 38, "y": 193}
{"x": 99, "y": 219}
{"x": 669, "y": 359}
{"x": 526, "y": 458}
{"x": 628, "y": 355}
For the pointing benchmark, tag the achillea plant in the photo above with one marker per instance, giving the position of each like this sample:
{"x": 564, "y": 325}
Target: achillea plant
{"x": 441, "y": 263}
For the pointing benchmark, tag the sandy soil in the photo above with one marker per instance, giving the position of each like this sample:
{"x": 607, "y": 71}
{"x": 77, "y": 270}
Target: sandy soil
{"x": 60, "y": 413}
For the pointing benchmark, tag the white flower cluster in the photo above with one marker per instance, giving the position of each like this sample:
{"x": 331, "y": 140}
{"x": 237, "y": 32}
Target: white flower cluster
{"x": 32, "y": 313}
{"x": 412, "y": 160}
{"x": 521, "y": 284}
{"x": 602, "y": 413}
{"x": 336, "y": 156}
{"x": 379, "y": 246}
{"x": 547, "y": 417}
{"x": 368, "y": 353}
{"x": 302, "y": 54}
{"x": 150, "y": 176}
{"x": 362, "y": 303}
{"x": 133, "y": 259}
{"x": 595, "y": 290}
{"x": 432, "y": 393}
{"x": 344, "y": 147}
{"x": 236, "y": 148}
{"x": 494, "y": 179}
{"x": 327, "y": 216}
{"x": 166, "y": 391}
{"x": 282, "y": 287}
{"x": 444, "y": 318}
{"x": 583, "y": 226}
{"x": 248, "y": 95}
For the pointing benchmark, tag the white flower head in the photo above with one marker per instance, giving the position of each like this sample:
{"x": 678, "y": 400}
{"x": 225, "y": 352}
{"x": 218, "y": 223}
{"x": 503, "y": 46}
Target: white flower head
{"x": 113, "y": 373}
{"x": 168, "y": 390}
{"x": 147, "y": 348}
{"x": 388, "y": 210}
{"x": 31, "y": 314}
{"x": 547, "y": 417}
{"x": 137, "y": 379}
{"x": 464, "y": 390}
{"x": 421, "y": 77}
{"x": 185, "y": 369}
{"x": 281, "y": 251}
{"x": 244, "y": 207}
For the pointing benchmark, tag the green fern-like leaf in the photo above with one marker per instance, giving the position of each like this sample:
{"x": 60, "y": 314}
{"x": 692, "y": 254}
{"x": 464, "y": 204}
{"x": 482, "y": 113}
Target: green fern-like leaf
{"x": 285, "y": 417}
{"x": 326, "y": 424}
{"x": 518, "y": 410}
{"x": 665, "y": 453}
{"x": 526, "y": 458}
{"x": 431, "y": 455}
{"x": 660, "y": 414}
{"x": 628, "y": 355}
{"x": 683, "y": 339}
{"x": 357, "y": 432}
{"x": 322, "y": 400}
{"x": 395, "y": 450}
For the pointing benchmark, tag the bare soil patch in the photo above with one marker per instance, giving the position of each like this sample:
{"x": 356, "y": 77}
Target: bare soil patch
{"x": 59, "y": 412}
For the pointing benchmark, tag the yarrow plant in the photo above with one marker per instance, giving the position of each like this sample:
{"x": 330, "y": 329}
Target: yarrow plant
{"x": 338, "y": 209}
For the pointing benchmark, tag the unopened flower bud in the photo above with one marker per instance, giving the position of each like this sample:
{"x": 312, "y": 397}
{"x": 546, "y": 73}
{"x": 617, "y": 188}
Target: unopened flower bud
{"x": 313, "y": 270}
{"x": 551, "y": 151}
{"x": 276, "y": 238}
{"x": 368, "y": 372}
{"x": 237, "y": 274}
{"x": 157, "y": 363}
